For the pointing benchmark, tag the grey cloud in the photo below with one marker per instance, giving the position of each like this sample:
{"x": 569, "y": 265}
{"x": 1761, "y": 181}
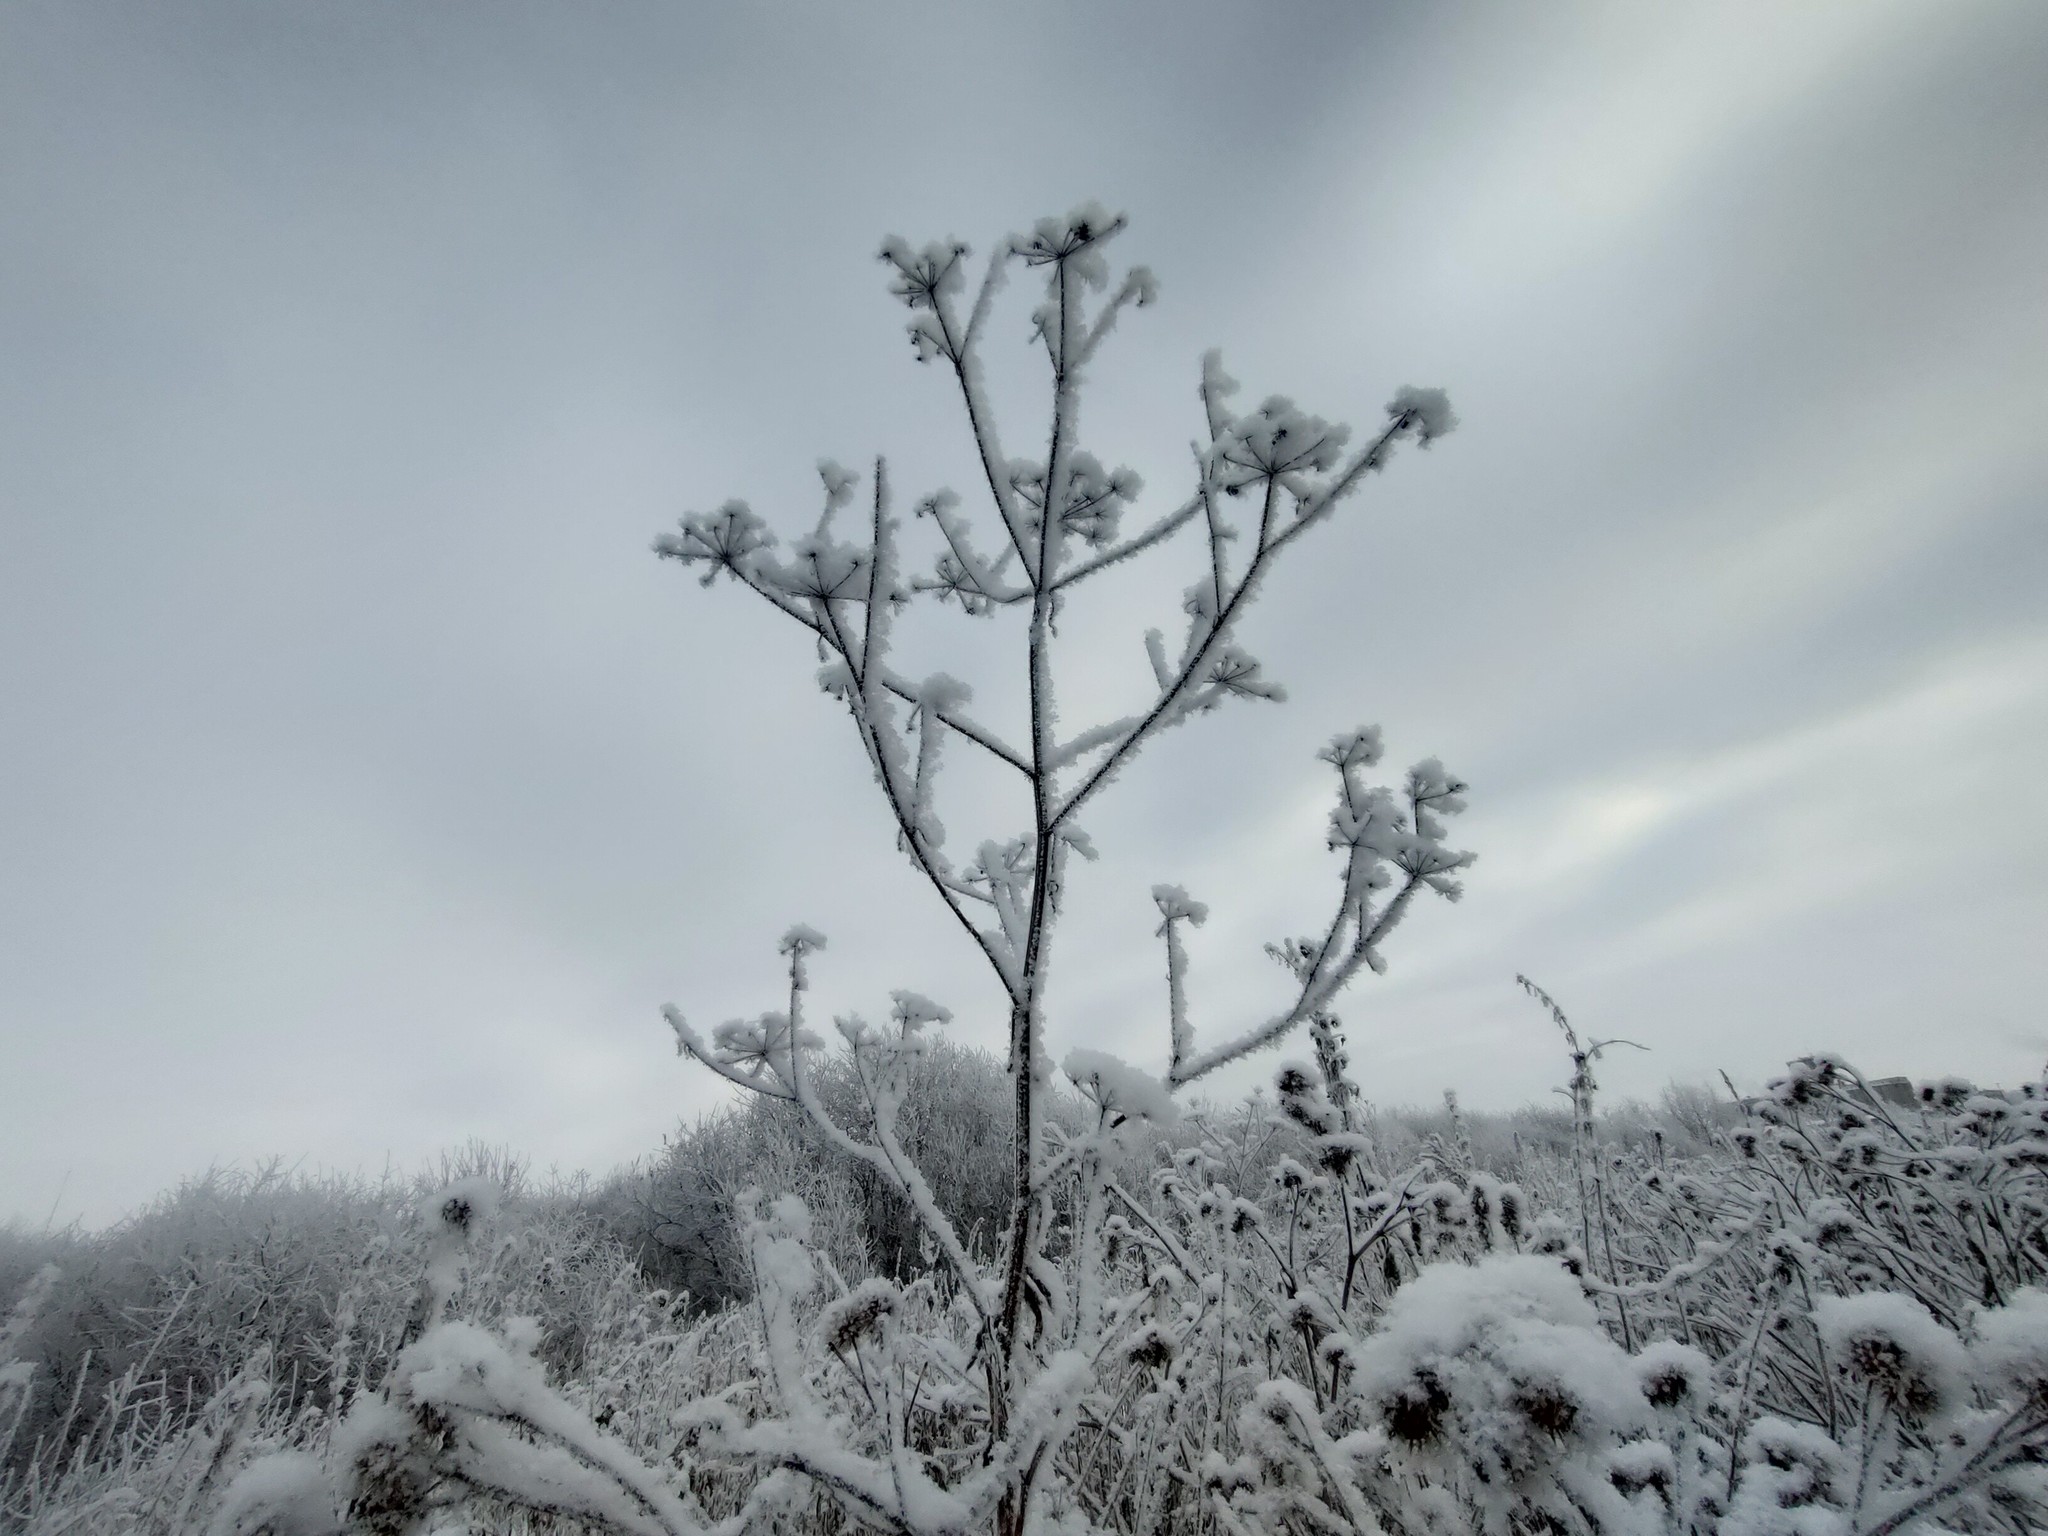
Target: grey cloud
{"x": 368, "y": 785}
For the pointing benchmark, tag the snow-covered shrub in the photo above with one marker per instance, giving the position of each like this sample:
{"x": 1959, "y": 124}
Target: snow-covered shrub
{"x": 678, "y": 1212}
{"x": 245, "y": 1312}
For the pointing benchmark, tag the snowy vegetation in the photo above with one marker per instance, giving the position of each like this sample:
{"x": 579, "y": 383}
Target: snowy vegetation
{"x": 1817, "y": 1312}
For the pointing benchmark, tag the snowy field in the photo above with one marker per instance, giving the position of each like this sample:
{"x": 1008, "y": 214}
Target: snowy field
{"x": 1817, "y": 1312}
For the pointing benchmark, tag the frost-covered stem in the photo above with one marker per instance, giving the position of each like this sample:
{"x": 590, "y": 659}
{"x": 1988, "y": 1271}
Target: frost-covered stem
{"x": 1204, "y": 646}
{"x": 958, "y": 346}
{"x": 1164, "y": 529}
{"x": 547, "y": 1420}
{"x": 1027, "y": 1008}
{"x": 1582, "y": 1112}
{"x": 881, "y": 579}
{"x": 1088, "y": 1265}
{"x": 1766, "y": 1315}
{"x": 1314, "y": 996}
{"x": 929, "y": 740}
{"x": 1581, "y": 1117}
{"x": 1170, "y": 699}
{"x": 984, "y": 576}
{"x": 1373, "y": 456}
{"x": 771, "y": 1314}
{"x": 1867, "y": 1439}
{"x": 1176, "y": 998}
{"x": 1352, "y": 1253}
{"x": 886, "y": 1158}
{"x": 1332, "y": 1462}
{"x": 899, "y": 686}
{"x": 1331, "y": 1061}
{"x": 1266, "y": 513}
{"x": 2000, "y": 1447}
{"x": 901, "y": 806}
{"x": 1628, "y": 1339}
{"x": 1217, "y": 532}
{"x": 1168, "y": 1243}
{"x": 688, "y": 1041}
{"x": 1400, "y": 1208}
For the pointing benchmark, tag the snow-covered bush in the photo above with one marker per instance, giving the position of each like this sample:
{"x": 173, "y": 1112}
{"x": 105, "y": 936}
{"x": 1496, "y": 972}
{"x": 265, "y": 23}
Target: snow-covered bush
{"x": 247, "y": 1310}
{"x": 677, "y": 1212}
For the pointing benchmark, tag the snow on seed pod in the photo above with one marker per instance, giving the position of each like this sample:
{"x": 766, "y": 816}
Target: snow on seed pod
{"x": 2031, "y": 1152}
{"x": 1830, "y": 1224}
{"x": 461, "y": 1208}
{"x": 1302, "y": 1099}
{"x": 846, "y": 1321}
{"x": 1789, "y": 1254}
{"x": 1547, "y": 1406}
{"x": 1446, "y": 1203}
{"x": 1413, "y": 1409}
{"x": 1947, "y": 1095}
{"x": 1673, "y": 1375}
{"x": 1151, "y": 1346}
{"x": 1426, "y": 413}
{"x": 1513, "y": 1203}
{"x": 1480, "y": 1202}
{"x": 1642, "y": 1466}
{"x": 1890, "y": 1344}
{"x": 1552, "y": 1238}
{"x": 1787, "y": 1466}
{"x": 1801, "y": 1084}
{"x": 1339, "y": 1152}
{"x": 1859, "y": 1149}
{"x": 1291, "y": 1176}
{"x": 2011, "y": 1352}
{"x": 1504, "y": 1359}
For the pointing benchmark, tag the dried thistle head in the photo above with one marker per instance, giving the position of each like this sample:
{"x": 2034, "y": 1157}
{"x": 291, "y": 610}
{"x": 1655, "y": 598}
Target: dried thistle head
{"x": 1415, "y": 1410}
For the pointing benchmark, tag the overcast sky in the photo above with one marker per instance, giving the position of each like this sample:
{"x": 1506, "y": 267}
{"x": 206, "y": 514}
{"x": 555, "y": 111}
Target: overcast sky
{"x": 366, "y": 785}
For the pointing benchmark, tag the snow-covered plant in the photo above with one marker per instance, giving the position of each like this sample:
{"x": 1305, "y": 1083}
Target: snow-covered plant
{"x": 1477, "y": 1376}
{"x": 17, "y": 1374}
{"x": 985, "y": 1395}
{"x": 1260, "y": 482}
